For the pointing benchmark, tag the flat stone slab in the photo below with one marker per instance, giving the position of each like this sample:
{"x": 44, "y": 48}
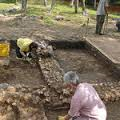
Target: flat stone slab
{"x": 109, "y": 47}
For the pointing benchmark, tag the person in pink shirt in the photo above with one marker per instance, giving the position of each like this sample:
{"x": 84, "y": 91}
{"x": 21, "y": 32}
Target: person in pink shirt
{"x": 85, "y": 103}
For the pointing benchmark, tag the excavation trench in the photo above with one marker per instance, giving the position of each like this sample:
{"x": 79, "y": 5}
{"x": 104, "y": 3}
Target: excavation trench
{"x": 90, "y": 70}
{"x": 74, "y": 56}
{"x": 113, "y": 110}
{"x": 35, "y": 97}
{"x": 20, "y": 72}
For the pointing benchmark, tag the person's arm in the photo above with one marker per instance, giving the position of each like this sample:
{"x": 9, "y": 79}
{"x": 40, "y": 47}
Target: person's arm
{"x": 75, "y": 105}
{"x": 23, "y": 54}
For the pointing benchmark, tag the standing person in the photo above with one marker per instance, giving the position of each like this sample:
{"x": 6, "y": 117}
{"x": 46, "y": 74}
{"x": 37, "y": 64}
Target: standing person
{"x": 86, "y": 103}
{"x": 101, "y": 13}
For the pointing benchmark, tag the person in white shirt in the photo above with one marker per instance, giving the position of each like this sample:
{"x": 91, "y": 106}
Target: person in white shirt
{"x": 101, "y": 13}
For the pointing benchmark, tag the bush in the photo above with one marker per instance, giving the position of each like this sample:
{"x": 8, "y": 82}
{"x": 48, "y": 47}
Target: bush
{"x": 7, "y": 1}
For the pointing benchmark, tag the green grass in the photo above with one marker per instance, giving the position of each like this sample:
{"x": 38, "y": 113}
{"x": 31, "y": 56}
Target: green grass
{"x": 5, "y": 6}
{"x": 59, "y": 9}
{"x": 114, "y": 15}
{"x": 64, "y": 10}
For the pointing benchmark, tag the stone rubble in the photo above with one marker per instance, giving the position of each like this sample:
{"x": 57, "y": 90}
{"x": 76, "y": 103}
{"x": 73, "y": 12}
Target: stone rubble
{"x": 25, "y": 103}
{"x": 54, "y": 78}
{"x": 16, "y": 103}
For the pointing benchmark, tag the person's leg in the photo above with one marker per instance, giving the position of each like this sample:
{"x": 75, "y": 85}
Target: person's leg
{"x": 118, "y": 26}
{"x": 18, "y": 54}
{"x": 97, "y": 23}
{"x": 101, "y": 22}
{"x": 83, "y": 5}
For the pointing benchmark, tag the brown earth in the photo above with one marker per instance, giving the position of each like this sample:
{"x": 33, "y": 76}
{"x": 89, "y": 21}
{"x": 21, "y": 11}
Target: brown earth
{"x": 24, "y": 73}
{"x": 20, "y": 72}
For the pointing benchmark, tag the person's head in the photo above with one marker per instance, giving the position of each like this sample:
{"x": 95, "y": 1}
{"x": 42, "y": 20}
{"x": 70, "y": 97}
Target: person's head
{"x": 71, "y": 79}
{"x": 33, "y": 47}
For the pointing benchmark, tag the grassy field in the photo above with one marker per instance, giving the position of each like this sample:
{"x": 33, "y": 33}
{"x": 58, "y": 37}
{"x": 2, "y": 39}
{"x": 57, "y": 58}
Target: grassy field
{"x": 63, "y": 10}
{"x": 60, "y": 9}
{"x": 5, "y": 6}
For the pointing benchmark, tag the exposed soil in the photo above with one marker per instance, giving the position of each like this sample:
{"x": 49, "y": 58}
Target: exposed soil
{"x": 112, "y": 111}
{"x": 53, "y": 115}
{"x": 90, "y": 69}
{"x": 20, "y": 72}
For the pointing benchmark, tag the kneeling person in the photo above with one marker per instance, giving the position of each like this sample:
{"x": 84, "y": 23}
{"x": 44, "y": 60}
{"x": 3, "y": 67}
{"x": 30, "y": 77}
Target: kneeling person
{"x": 25, "y": 47}
{"x": 86, "y": 103}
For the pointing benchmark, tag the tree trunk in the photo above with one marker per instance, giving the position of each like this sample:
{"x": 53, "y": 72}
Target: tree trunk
{"x": 83, "y": 5}
{"x": 76, "y": 6}
{"x": 95, "y": 3}
{"x": 52, "y": 4}
{"x": 72, "y": 3}
{"x": 15, "y": 2}
{"x": 24, "y": 5}
{"x": 45, "y": 2}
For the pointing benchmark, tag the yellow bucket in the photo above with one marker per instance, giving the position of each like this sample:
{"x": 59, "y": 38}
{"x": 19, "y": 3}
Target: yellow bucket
{"x": 4, "y": 49}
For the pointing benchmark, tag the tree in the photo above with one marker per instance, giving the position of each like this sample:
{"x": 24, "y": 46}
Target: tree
{"x": 24, "y": 5}
{"x": 52, "y": 4}
{"x": 76, "y": 3}
{"x": 45, "y": 2}
{"x": 95, "y": 4}
{"x": 76, "y": 6}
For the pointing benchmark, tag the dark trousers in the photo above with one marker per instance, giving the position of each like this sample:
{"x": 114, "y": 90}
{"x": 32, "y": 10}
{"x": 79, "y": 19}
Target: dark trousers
{"x": 118, "y": 26}
{"x": 100, "y": 21}
{"x": 18, "y": 54}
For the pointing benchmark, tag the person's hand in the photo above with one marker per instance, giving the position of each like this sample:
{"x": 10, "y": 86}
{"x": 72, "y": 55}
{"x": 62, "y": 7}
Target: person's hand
{"x": 24, "y": 57}
{"x": 28, "y": 59}
{"x": 61, "y": 118}
{"x": 28, "y": 54}
{"x": 67, "y": 117}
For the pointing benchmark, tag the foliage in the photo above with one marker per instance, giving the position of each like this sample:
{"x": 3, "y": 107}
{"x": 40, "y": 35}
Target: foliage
{"x": 5, "y": 6}
{"x": 7, "y": 1}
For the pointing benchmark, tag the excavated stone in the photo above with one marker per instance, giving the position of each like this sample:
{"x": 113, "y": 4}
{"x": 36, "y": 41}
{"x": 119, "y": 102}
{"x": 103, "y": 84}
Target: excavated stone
{"x": 59, "y": 17}
{"x": 11, "y": 89}
{"x": 4, "y": 85}
{"x": 18, "y": 104}
{"x": 53, "y": 74}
